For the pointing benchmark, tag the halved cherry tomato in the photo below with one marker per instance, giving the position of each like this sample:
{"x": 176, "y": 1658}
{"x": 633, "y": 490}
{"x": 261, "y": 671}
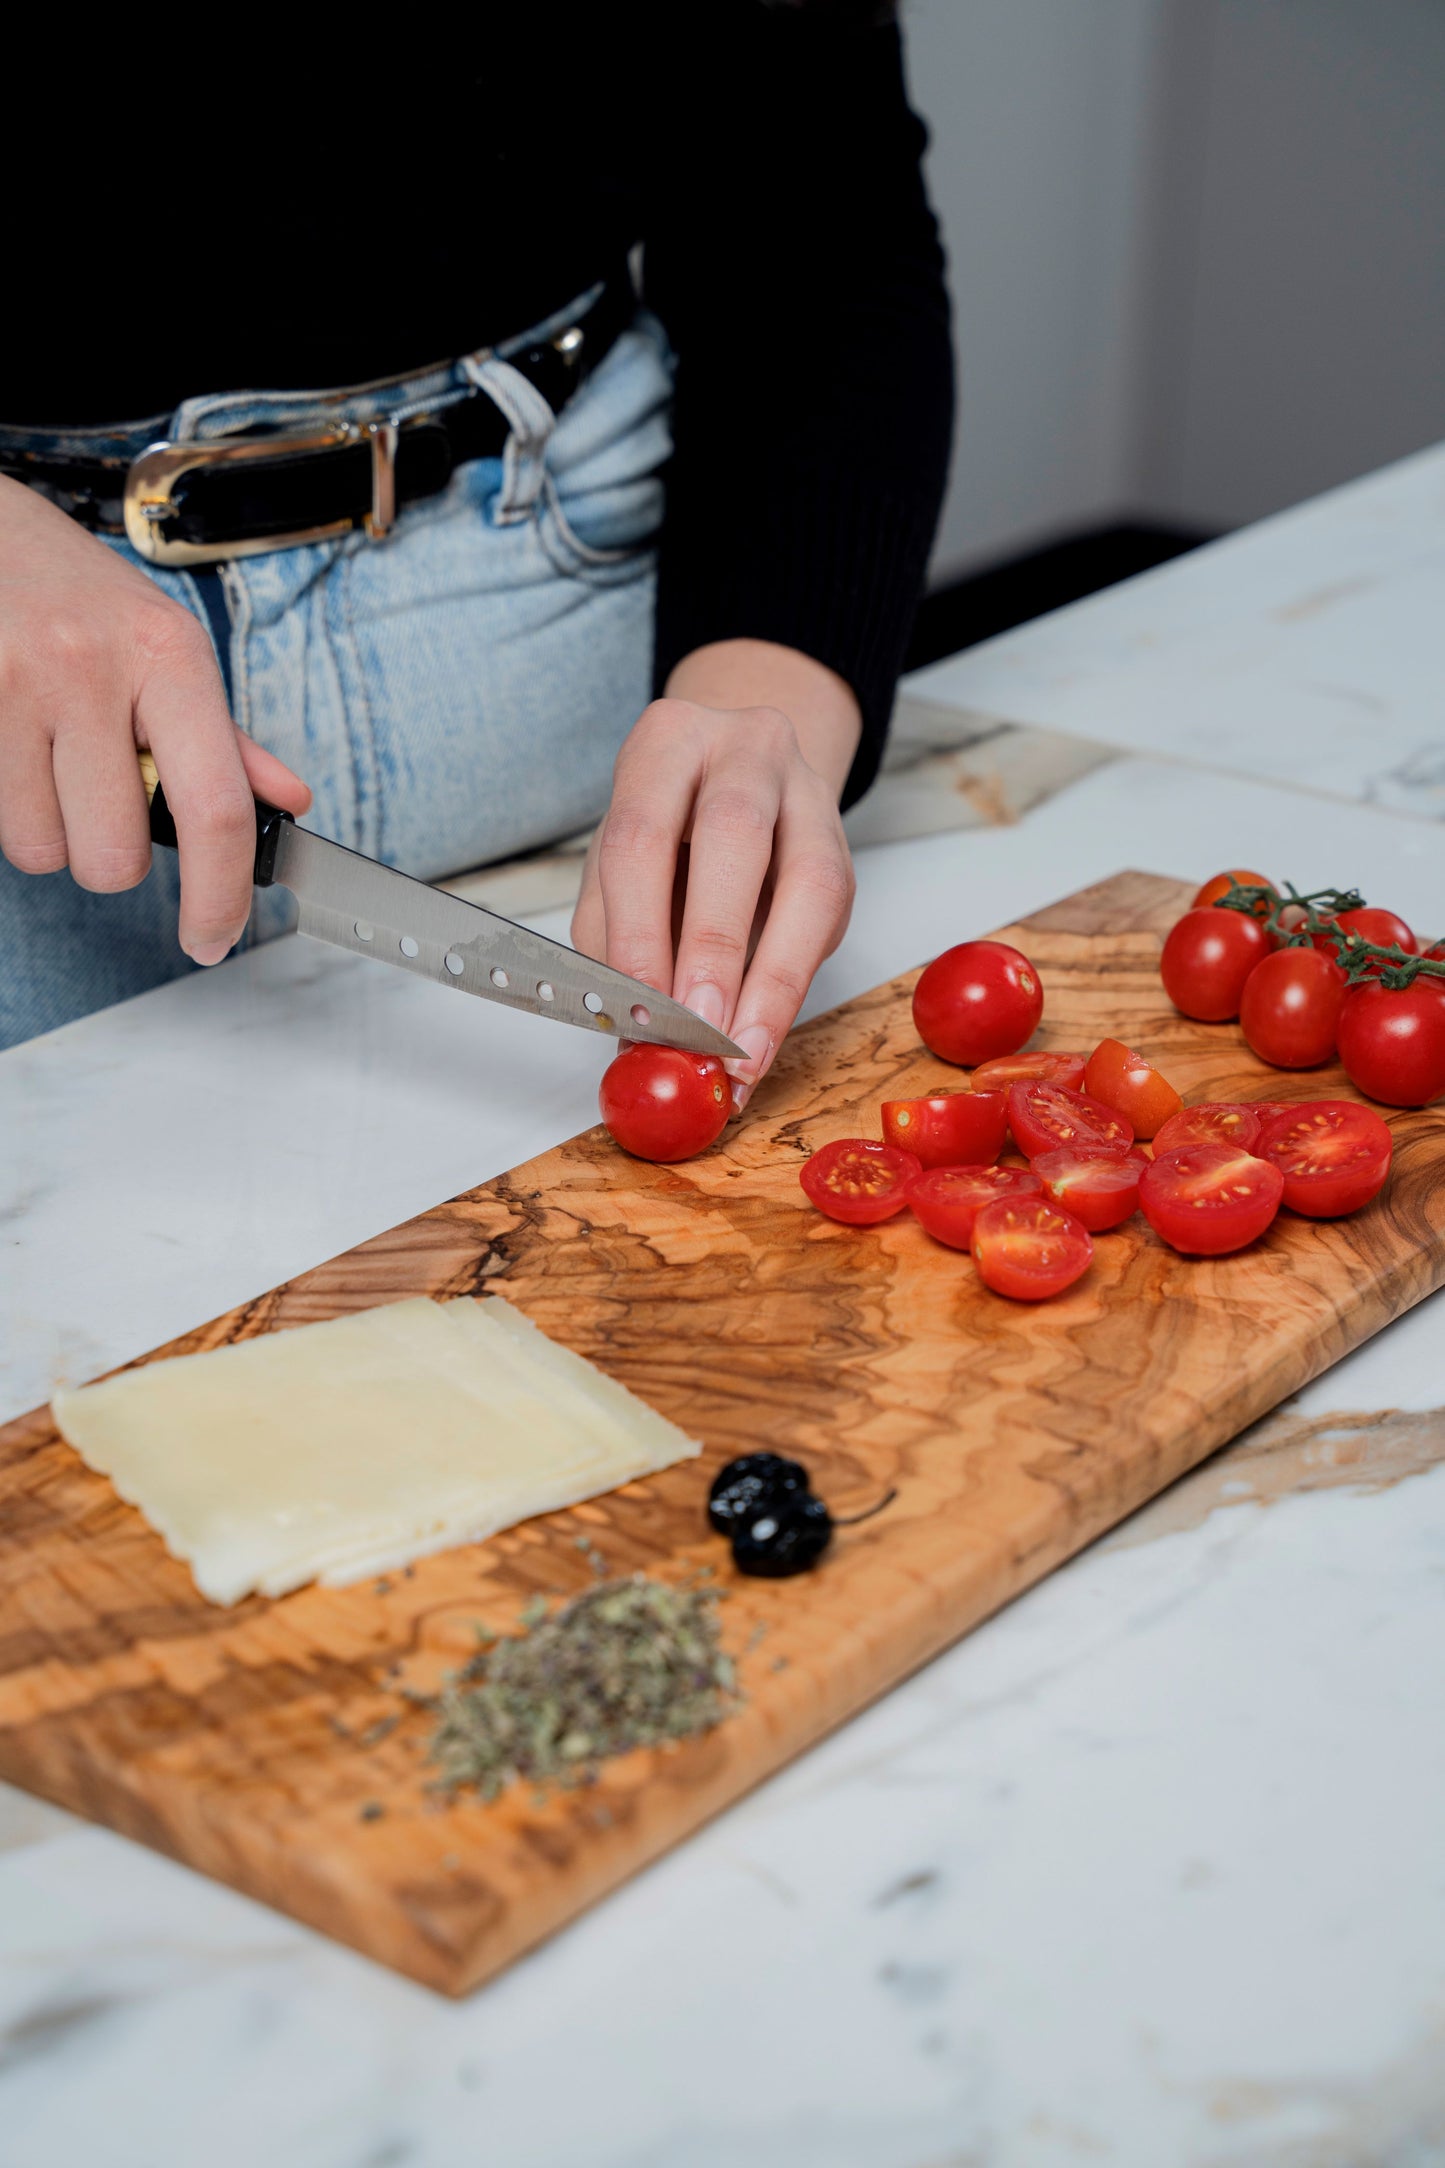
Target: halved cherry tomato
{"x": 952, "y": 1129}
{"x": 1098, "y": 1184}
{"x": 1333, "y": 1154}
{"x": 1043, "y": 1118}
{"x": 1385, "y": 929}
{"x": 1206, "y": 1199}
{"x": 1027, "y": 1248}
{"x": 977, "y": 1001}
{"x": 1221, "y": 883}
{"x": 661, "y": 1104}
{"x": 947, "y": 1200}
{"x": 1207, "y": 958}
{"x": 858, "y": 1181}
{"x": 1291, "y": 1006}
{"x": 1065, "y": 1070}
{"x": 1218, "y": 1121}
{"x": 1392, "y": 1043}
{"x": 1121, "y": 1079}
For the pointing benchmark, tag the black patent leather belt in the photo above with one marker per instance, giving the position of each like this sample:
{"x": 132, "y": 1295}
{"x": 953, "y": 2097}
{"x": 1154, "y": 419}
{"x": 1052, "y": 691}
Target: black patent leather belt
{"x": 222, "y": 497}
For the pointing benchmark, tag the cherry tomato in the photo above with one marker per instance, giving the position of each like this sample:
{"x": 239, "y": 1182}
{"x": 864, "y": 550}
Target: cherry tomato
{"x": 1065, "y": 1070}
{"x": 1207, "y": 958}
{"x": 952, "y": 1129}
{"x": 1205, "y": 1199}
{"x": 1393, "y": 1043}
{"x": 659, "y": 1103}
{"x": 1384, "y": 928}
{"x": 947, "y": 1200}
{"x": 1043, "y": 1118}
{"x": 858, "y": 1181}
{"x": 1221, "y": 1121}
{"x": 1291, "y": 1007}
{"x": 1132, "y": 1086}
{"x": 1027, "y": 1248}
{"x": 1098, "y": 1184}
{"x": 1221, "y": 883}
{"x": 1334, "y": 1156}
{"x": 977, "y": 1001}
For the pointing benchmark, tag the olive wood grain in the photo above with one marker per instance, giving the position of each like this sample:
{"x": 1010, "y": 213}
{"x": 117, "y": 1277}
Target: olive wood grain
{"x": 268, "y": 1745}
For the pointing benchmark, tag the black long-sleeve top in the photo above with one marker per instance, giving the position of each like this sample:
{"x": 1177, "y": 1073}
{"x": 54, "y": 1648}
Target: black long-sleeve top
{"x": 372, "y": 209}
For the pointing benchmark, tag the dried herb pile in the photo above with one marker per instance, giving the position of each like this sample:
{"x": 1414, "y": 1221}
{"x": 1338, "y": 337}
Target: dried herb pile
{"x": 630, "y": 1663}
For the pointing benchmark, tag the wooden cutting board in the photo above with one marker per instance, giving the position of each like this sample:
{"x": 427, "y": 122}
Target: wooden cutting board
{"x": 269, "y": 1746}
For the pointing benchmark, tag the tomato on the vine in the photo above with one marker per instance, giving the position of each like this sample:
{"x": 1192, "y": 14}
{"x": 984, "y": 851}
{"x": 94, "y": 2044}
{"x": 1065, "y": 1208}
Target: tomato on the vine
{"x": 1065, "y": 1070}
{"x": 1385, "y": 929}
{"x": 1221, "y": 883}
{"x": 1207, "y": 958}
{"x": 977, "y": 1001}
{"x": 1095, "y": 1182}
{"x": 1121, "y": 1079}
{"x": 1043, "y": 1118}
{"x": 1291, "y": 1006}
{"x": 1333, "y": 1154}
{"x": 662, "y": 1104}
{"x": 858, "y": 1181}
{"x": 950, "y": 1129}
{"x": 1027, "y": 1248}
{"x": 1223, "y": 1121}
{"x": 947, "y": 1200}
{"x": 1392, "y": 1041}
{"x": 1206, "y": 1199}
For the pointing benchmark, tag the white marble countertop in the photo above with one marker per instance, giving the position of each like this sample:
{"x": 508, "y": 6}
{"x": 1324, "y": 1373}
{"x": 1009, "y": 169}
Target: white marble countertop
{"x": 1148, "y": 1870}
{"x": 1308, "y": 649}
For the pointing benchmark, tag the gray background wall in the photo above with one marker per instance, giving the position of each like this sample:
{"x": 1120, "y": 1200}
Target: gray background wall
{"x": 1198, "y": 252}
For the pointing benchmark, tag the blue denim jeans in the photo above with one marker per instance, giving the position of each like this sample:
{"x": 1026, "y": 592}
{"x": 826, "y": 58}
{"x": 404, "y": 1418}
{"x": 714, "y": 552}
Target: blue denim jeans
{"x": 453, "y": 694}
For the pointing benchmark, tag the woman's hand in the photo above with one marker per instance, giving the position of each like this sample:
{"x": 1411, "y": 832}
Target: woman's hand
{"x": 720, "y": 873}
{"x": 95, "y": 661}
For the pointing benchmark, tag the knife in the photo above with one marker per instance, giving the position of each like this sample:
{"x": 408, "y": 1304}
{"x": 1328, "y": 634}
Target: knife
{"x": 357, "y": 904}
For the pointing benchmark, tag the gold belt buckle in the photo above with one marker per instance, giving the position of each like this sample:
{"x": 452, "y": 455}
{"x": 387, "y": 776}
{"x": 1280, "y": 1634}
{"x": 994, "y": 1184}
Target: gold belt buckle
{"x": 149, "y": 497}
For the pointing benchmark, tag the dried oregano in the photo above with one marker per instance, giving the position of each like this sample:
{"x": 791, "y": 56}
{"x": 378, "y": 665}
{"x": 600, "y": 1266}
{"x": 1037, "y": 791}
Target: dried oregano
{"x": 629, "y": 1663}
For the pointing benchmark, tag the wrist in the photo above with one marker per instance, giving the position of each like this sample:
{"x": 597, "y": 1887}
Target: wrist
{"x": 820, "y": 705}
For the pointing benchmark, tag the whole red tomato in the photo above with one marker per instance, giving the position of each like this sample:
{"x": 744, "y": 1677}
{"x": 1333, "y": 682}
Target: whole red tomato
{"x": 1207, "y": 958}
{"x": 977, "y": 1001}
{"x": 660, "y": 1103}
{"x": 1393, "y": 1043}
{"x": 1385, "y": 929}
{"x": 1291, "y": 1006}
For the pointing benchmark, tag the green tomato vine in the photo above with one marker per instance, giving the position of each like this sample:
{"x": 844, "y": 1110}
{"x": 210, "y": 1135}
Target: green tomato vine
{"x": 1393, "y": 967}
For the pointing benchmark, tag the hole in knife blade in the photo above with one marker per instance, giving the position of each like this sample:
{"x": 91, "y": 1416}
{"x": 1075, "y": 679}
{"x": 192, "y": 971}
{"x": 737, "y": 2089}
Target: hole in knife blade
{"x": 592, "y": 1002}
{"x": 454, "y": 963}
{"x": 640, "y": 1015}
{"x": 545, "y": 990}
{"x": 407, "y": 946}
{"x": 499, "y": 976}
{"x": 362, "y": 931}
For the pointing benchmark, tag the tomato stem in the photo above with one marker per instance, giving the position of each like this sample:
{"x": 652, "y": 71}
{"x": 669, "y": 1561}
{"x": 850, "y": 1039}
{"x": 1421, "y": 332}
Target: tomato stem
{"x": 1359, "y": 959}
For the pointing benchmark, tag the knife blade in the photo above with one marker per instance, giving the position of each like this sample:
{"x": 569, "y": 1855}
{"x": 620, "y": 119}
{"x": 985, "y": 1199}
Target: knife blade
{"x": 355, "y": 903}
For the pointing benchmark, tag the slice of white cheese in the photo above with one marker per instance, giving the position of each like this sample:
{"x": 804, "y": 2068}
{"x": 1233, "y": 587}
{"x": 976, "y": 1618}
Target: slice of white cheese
{"x": 337, "y": 1450}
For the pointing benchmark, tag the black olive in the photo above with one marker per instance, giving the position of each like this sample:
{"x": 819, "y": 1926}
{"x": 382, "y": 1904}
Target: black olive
{"x": 741, "y": 1489}
{"x": 788, "y": 1535}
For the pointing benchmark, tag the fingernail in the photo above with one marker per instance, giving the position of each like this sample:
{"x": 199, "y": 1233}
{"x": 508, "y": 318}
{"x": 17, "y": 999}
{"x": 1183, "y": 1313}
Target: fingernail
{"x": 706, "y": 1001}
{"x": 756, "y": 1042}
{"x": 741, "y": 1094}
{"x": 210, "y": 952}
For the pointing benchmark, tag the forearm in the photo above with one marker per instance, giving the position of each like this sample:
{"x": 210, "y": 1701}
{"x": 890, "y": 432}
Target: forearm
{"x": 822, "y": 709}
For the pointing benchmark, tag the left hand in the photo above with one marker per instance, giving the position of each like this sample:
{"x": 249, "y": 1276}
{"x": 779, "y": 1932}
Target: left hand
{"x": 720, "y": 873}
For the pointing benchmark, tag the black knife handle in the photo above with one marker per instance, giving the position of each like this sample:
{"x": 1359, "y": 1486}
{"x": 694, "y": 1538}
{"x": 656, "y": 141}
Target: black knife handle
{"x": 163, "y": 827}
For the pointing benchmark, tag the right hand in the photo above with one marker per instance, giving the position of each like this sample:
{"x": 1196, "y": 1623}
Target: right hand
{"x": 96, "y": 662}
